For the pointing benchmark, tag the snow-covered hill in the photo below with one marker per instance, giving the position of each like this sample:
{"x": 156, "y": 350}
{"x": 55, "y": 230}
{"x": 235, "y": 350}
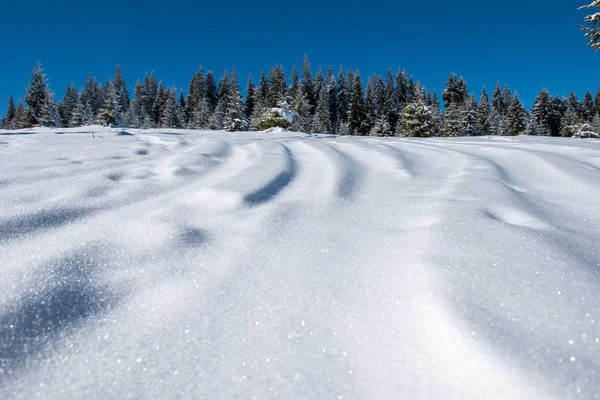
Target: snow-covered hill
{"x": 206, "y": 265}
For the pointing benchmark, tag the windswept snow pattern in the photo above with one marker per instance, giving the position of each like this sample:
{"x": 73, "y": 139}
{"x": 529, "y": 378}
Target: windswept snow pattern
{"x": 208, "y": 265}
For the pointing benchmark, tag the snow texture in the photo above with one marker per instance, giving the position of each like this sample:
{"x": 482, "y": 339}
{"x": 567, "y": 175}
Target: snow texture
{"x": 211, "y": 265}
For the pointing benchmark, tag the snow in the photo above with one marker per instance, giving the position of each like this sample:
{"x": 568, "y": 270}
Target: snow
{"x": 189, "y": 264}
{"x": 288, "y": 114}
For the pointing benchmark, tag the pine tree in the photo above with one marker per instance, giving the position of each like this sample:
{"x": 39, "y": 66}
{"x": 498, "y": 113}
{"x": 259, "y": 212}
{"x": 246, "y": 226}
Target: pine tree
{"x": 483, "y": 124}
{"x": 401, "y": 89}
{"x": 470, "y": 118}
{"x": 416, "y": 118}
{"x": 532, "y": 128}
{"x": 294, "y": 88}
{"x": 68, "y": 105}
{"x": 121, "y": 92}
{"x": 588, "y": 111}
{"x": 343, "y": 98}
{"x": 390, "y": 101}
{"x": 506, "y": 98}
{"x": 597, "y": 101}
{"x": 262, "y": 92}
{"x": 250, "y": 98}
{"x": 196, "y": 92}
{"x": 235, "y": 119}
{"x": 93, "y": 99}
{"x": 23, "y": 118}
{"x": 11, "y": 113}
{"x": 77, "y": 116}
{"x": 211, "y": 90}
{"x": 516, "y": 117}
{"x": 436, "y": 116}
{"x": 358, "y": 114}
{"x": 110, "y": 114}
{"x": 322, "y": 119}
{"x": 332, "y": 100}
{"x": 277, "y": 91}
{"x": 498, "y": 101}
{"x": 201, "y": 116}
{"x": 570, "y": 121}
{"x": 37, "y": 97}
{"x": 306, "y": 85}
{"x": 542, "y": 113}
{"x": 169, "y": 117}
{"x": 593, "y": 30}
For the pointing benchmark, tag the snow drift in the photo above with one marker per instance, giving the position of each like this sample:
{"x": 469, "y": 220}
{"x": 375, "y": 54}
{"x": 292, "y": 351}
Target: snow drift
{"x": 183, "y": 264}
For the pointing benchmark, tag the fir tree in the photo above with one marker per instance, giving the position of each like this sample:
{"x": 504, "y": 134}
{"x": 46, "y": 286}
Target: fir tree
{"x": 211, "y": 90}
{"x": 416, "y": 118}
{"x": 498, "y": 101}
{"x": 201, "y": 116}
{"x": 121, "y": 92}
{"x": 516, "y": 117}
{"x": 110, "y": 114}
{"x": 11, "y": 113}
{"x": 390, "y": 102}
{"x": 235, "y": 119}
{"x": 68, "y": 105}
{"x": 277, "y": 90}
{"x": 250, "y": 98}
{"x": 322, "y": 119}
{"x": 343, "y": 98}
{"x": 542, "y": 112}
{"x": 470, "y": 118}
{"x": 262, "y": 92}
{"x": 294, "y": 88}
{"x": 196, "y": 92}
{"x": 401, "y": 89}
{"x": 592, "y": 31}
{"x": 37, "y": 97}
{"x": 570, "y": 121}
{"x": 588, "y": 111}
{"x": 77, "y": 116}
{"x": 332, "y": 99}
{"x": 306, "y": 84}
{"x": 358, "y": 114}
{"x": 483, "y": 125}
{"x": 23, "y": 118}
{"x": 169, "y": 117}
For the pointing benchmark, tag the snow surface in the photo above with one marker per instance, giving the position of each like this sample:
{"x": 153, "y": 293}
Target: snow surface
{"x": 207, "y": 265}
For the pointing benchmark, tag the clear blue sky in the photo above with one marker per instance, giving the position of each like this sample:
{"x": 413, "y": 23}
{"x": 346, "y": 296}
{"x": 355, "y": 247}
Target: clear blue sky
{"x": 525, "y": 44}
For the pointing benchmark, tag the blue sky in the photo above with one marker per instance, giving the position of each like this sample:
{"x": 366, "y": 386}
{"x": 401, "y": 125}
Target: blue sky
{"x": 525, "y": 44}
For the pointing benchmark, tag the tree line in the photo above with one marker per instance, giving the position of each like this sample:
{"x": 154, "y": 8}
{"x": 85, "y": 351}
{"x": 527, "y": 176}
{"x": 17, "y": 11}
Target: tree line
{"x": 390, "y": 105}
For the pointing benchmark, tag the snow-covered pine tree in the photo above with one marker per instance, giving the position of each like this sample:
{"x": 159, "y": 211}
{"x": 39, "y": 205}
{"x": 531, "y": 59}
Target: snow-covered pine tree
{"x": 416, "y": 118}
{"x": 516, "y": 117}
{"x": 110, "y": 114}
{"x": 390, "y": 102}
{"x": 498, "y": 101}
{"x": 570, "y": 121}
{"x": 455, "y": 95}
{"x": 470, "y": 117}
{"x": 305, "y": 116}
{"x": 23, "y": 118}
{"x": 542, "y": 113}
{"x": 294, "y": 88}
{"x": 506, "y": 98}
{"x": 122, "y": 94}
{"x": 77, "y": 116}
{"x": 159, "y": 103}
{"x": 169, "y": 115}
{"x": 592, "y": 31}
{"x": 532, "y": 128}
{"x": 322, "y": 119}
{"x": 597, "y": 101}
{"x": 436, "y": 116}
{"x": 306, "y": 85}
{"x": 93, "y": 99}
{"x": 250, "y": 98}
{"x": 11, "y": 113}
{"x": 262, "y": 91}
{"x": 68, "y": 105}
{"x": 277, "y": 90}
{"x": 235, "y": 118}
{"x": 37, "y": 97}
{"x": 343, "y": 98}
{"x": 358, "y": 112}
{"x": 587, "y": 106}
{"x": 332, "y": 99}
{"x": 211, "y": 90}
{"x": 483, "y": 124}
{"x": 201, "y": 117}
{"x": 401, "y": 89}
{"x": 381, "y": 127}
{"x": 196, "y": 92}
